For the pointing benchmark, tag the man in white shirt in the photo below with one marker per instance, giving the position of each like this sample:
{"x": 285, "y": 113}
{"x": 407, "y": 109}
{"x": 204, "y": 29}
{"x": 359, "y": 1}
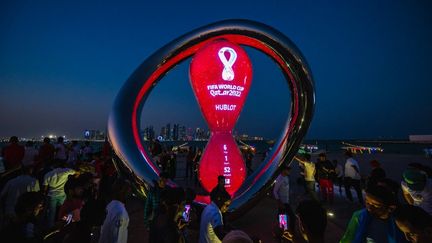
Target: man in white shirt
{"x": 352, "y": 177}
{"x": 281, "y": 193}
{"x": 115, "y": 226}
{"x": 53, "y": 186}
{"x": 60, "y": 150}
{"x": 15, "y": 187}
{"x": 212, "y": 226}
{"x": 30, "y": 154}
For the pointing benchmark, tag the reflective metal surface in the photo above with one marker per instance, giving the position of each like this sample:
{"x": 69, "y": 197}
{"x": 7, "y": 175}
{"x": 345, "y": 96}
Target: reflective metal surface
{"x": 134, "y": 161}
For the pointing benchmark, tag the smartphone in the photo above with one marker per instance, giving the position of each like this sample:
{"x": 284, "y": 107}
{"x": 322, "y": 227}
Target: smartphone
{"x": 186, "y": 213}
{"x": 283, "y": 221}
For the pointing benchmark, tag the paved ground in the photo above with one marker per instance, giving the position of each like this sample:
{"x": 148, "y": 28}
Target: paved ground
{"x": 261, "y": 220}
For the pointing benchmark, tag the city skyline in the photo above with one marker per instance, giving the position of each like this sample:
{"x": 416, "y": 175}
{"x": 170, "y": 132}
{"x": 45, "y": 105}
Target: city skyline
{"x": 178, "y": 132}
{"x": 63, "y": 63}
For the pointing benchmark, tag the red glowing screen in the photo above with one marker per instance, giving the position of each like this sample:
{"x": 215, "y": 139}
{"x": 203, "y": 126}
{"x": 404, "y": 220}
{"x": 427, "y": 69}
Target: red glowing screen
{"x": 221, "y": 75}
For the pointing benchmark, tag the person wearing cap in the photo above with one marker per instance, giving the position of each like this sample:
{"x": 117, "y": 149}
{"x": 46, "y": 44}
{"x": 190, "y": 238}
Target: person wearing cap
{"x": 417, "y": 189}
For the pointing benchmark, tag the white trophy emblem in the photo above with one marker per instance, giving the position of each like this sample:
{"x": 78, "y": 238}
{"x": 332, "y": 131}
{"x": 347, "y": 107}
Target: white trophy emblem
{"x": 228, "y": 72}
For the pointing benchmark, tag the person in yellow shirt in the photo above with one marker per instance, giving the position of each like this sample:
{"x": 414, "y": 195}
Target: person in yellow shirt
{"x": 309, "y": 174}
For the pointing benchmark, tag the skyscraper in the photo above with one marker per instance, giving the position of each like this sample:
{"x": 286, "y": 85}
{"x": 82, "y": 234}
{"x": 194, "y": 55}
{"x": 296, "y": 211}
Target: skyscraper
{"x": 149, "y": 133}
{"x": 182, "y": 133}
{"x": 168, "y": 132}
{"x": 175, "y": 133}
{"x": 163, "y": 133}
{"x": 190, "y": 134}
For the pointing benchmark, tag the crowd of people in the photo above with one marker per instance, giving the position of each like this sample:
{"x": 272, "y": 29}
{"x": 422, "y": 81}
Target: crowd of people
{"x": 387, "y": 214}
{"x": 70, "y": 192}
{"x": 59, "y": 193}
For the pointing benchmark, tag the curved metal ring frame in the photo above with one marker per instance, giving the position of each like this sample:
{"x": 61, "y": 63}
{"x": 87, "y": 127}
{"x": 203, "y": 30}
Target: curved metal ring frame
{"x": 134, "y": 161}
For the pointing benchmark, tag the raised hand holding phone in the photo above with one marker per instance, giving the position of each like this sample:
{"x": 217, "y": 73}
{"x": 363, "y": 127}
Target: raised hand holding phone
{"x": 283, "y": 221}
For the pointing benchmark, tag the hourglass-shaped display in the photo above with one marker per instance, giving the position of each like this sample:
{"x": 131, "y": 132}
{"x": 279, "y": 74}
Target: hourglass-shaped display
{"x": 221, "y": 75}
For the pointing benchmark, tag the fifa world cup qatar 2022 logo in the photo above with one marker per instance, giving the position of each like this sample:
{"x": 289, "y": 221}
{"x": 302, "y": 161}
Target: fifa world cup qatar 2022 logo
{"x": 221, "y": 76}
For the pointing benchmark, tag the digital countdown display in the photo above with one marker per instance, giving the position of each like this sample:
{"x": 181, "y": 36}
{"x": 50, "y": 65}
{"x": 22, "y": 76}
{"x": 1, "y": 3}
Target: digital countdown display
{"x": 220, "y": 76}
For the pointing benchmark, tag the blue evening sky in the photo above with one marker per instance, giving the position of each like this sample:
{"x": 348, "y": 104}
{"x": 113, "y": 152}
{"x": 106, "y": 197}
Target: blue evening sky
{"x": 63, "y": 62}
